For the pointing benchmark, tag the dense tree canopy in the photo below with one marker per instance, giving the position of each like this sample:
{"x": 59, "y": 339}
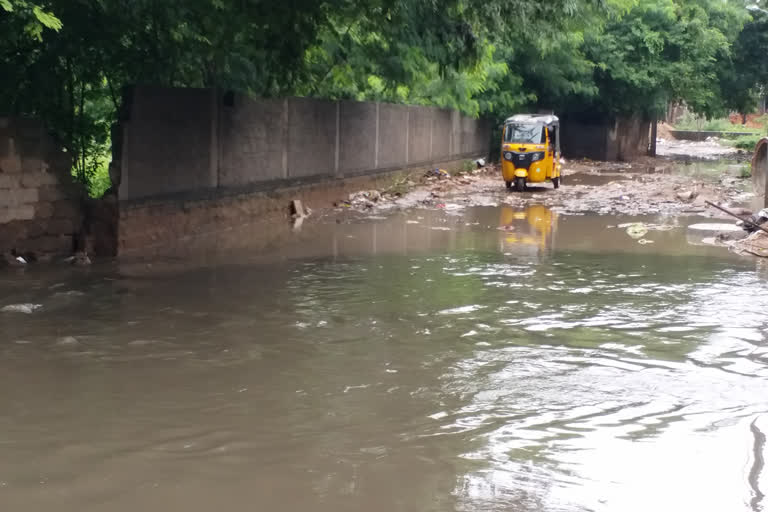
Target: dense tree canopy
{"x": 67, "y": 61}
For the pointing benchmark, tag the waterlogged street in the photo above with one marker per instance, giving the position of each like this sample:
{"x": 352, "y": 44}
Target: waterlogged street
{"x": 507, "y": 357}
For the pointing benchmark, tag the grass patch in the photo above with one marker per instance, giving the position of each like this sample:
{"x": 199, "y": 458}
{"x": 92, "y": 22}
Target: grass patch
{"x": 467, "y": 166}
{"x": 745, "y": 142}
{"x": 746, "y": 172}
{"x": 690, "y": 122}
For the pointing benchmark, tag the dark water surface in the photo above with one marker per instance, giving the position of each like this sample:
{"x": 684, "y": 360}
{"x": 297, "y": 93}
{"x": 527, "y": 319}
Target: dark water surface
{"x": 424, "y": 362}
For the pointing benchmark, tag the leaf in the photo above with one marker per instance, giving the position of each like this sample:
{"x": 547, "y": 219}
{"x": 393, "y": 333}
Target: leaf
{"x": 47, "y": 19}
{"x": 6, "y": 4}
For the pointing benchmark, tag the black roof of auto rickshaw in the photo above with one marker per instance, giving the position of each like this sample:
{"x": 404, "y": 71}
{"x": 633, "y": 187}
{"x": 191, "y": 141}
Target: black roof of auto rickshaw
{"x": 547, "y": 120}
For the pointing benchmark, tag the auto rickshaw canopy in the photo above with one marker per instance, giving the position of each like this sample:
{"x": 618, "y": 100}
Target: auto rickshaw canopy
{"x": 544, "y": 119}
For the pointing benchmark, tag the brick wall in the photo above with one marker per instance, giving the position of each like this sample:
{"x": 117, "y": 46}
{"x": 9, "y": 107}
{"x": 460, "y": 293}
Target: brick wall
{"x": 39, "y": 204}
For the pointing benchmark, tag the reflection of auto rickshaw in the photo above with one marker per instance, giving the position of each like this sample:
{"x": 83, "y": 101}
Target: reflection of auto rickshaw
{"x": 538, "y": 232}
{"x": 530, "y": 150}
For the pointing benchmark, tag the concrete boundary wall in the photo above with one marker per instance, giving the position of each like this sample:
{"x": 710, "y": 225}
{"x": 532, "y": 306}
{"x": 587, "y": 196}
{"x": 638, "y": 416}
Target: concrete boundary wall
{"x": 605, "y": 139}
{"x": 193, "y": 141}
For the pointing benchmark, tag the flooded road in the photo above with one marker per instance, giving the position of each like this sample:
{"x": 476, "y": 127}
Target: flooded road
{"x": 483, "y": 359}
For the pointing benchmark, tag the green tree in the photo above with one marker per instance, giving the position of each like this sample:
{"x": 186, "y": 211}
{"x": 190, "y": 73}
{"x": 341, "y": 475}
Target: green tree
{"x": 744, "y": 74}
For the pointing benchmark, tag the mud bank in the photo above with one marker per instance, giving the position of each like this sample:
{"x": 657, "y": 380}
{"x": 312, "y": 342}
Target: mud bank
{"x": 645, "y": 187}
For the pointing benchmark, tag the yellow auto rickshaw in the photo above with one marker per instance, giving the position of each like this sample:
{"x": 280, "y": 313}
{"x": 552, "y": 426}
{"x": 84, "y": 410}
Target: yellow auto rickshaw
{"x": 530, "y": 150}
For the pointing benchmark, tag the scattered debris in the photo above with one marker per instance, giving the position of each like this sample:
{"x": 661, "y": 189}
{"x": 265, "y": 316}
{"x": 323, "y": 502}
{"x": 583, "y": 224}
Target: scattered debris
{"x": 299, "y": 213}
{"x": 714, "y": 227}
{"x": 67, "y": 340}
{"x": 297, "y": 208}
{"x": 637, "y": 230}
{"x": 79, "y": 259}
{"x": 438, "y": 173}
{"x": 755, "y": 244}
{"x": 20, "y": 308}
{"x": 12, "y": 259}
{"x": 753, "y": 222}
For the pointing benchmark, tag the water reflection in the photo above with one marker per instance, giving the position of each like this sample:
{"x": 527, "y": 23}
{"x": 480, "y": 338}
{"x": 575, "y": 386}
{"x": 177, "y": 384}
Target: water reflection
{"x": 530, "y": 231}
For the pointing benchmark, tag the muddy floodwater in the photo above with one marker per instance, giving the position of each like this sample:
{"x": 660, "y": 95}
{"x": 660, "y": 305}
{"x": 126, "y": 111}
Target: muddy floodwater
{"x": 476, "y": 359}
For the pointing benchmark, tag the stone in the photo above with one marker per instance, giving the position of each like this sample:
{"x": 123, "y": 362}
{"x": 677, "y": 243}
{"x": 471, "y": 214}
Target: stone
{"x": 35, "y": 228}
{"x": 60, "y": 227}
{"x": 50, "y": 244}
{"x": 10, "y": 164}
{"x": 17, "y": 213}
{"x": 17, "y": 197}
{"x": 51, "y": 193}
{"x": 31, "y": 165}
{"x": 38, "y": 179}
{"x": 66, "y": 209}
{"x": 44, "y": 210}
{"x": 10, "y": 181}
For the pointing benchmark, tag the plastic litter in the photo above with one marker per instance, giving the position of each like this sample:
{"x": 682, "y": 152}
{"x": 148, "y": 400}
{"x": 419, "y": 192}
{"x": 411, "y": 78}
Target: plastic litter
{"x": 637, "y": 230}
{"x": 439, "y": 173}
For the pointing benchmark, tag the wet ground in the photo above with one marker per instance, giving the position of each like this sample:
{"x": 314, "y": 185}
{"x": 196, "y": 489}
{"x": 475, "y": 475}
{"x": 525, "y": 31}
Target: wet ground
{"x": 511, "y": 356}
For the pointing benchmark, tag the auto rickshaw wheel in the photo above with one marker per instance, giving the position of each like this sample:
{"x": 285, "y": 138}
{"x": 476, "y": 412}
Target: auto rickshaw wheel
{"x": 520, "y": 184}
{"x": 509, "y": 185}
{"x": 556, "y": 182}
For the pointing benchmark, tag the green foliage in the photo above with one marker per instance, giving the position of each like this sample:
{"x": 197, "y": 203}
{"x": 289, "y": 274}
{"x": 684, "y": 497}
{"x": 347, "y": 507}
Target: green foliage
{"x": 33, "y": 18}
{"x": 746, "y": 171}
{"x": 67, "y": 62}
{"x": 691, "y": 121}
{"x": 746, "y": 142}
{"x": 743, "y": 75}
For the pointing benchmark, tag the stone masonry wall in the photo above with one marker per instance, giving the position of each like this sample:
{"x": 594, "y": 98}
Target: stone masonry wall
{"x": 39, "y": 204}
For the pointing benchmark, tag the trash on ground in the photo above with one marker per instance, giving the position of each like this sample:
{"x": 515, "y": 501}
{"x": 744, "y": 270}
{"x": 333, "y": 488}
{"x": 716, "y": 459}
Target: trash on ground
{"x": 438, "y": 173}
{"x": 755, "y": 244}
{"x": 637, "y": 230}
{"x": 79, "y": 259}
{"x": 758, "y": 219}
{"x": 714, "y": 227}
{"x": 297, "y": 208}
{"x": 67, "y": 340}
{"x": 687, "y": 195}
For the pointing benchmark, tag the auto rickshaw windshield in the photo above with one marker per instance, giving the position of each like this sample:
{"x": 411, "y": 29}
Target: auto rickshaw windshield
{"x": 524, "y": 133}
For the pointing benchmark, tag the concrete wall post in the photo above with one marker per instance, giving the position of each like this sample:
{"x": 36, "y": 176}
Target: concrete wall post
{"x": 213, "y": 162}
{"x": 407, "y": 134}
{"x": 376, "y": 147}
{"x": 284, "y": 128}
{"x": 338, "y": 139}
